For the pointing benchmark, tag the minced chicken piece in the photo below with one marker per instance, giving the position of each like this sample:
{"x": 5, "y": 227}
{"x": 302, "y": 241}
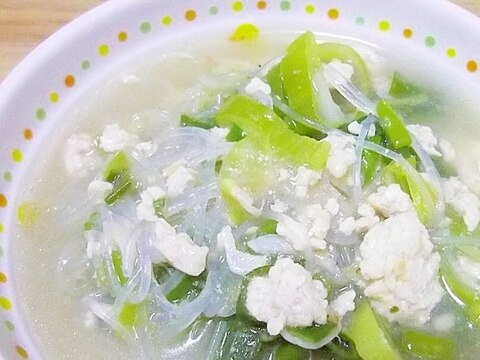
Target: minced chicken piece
{"x": 80, "y": 155}
{"x": 114, "y": 138}
{"x": 401, "y": 269}
{"x": 463, "y": 201}
{"x": 388, "y": 200}
{"x": 287, "y": 296}
{"x": 178, "y": 250}
{"x": 342, "y": 154}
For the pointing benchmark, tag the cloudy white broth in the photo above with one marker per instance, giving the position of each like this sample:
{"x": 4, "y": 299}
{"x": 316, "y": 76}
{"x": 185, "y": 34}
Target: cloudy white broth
{"x": 290, "y": 197}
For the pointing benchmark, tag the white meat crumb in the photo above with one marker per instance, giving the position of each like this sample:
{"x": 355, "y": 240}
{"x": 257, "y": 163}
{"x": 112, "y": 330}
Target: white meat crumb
{"x": 283, "y": 175}
{"x": 343, "y": 304}
{"x": 425, "y": 137}
{"x": 401, "y": 269}
{"x": 447, "y": 150}
{"x": 304, "y": 179}
{"x": 355, "y": 127}
{"x": 287, "y": 296}
{"x": 332, "y": 206}
{"x": 279, "y": 206}
{"x": 342, "y": 154}
{"x": 114, "y": 138}
{"x": 347, "y": 226}
{"x": 260, "y": 91}
{"x": 80, "y": 155}
{"x": 178, "y": 178}
{"x": 146, "y": 208}
{"x": 98, "y": 189}
{"x": 178, "y": 250}
{"x": 147, "y": 149}
{"x": 367, "y": 219}
{"x": 388, "y": 200}
{"x": 238, "y": 262}
{"x": 463, "y": 201}
{"x": 309, "y": 231}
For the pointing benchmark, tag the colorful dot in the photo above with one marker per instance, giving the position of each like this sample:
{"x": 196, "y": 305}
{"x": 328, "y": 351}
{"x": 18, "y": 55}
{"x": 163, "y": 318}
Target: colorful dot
{"x": 40, "y": 114}
{"x": 451, "y": 52}
{"x": 17, "y": 155}
{"x": 213, "y": 10}
{"x": 245, "y": 32}
{"x": 333, "y": 14}
{"x": 472, "y": 66}
{"x": 7, "y": 176}
{"x": 3, "y": 278}
{"x": 85, "y": 64}
{"x": 69, "y": 81}
{"x": 1, "y": 228}
{"x": 21, "y": 351}
{"x": 237, "y": 6}
{"x": 9, "y": 325}
{"x": 145, "y": 27}
{"x": 5, "y": 303}
{"x": 3, "y": 201}
{"x": 190, "y": 15}
{"x": 309, "y": 9}
{"x": 27, "y": 134}
{"x": 407, "y": 33}
{"x": 285, "y": 5}
{"x": 122, "y": 36}
{"x": 54, "y": 97}
{"x": 103, "y": 50}
{"x": 167, "y": 20}
{"x": 430, "y": 41}
{"x": 360, "y": 20}
{"x": 261, "y": 5}
{"x": 384, "y": 25}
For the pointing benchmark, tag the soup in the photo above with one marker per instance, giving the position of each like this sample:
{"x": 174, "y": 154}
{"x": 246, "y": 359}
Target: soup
{"x": 320, "y": 205}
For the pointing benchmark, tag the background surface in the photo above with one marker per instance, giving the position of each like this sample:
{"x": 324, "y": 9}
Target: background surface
{"x": 26, "y": 23}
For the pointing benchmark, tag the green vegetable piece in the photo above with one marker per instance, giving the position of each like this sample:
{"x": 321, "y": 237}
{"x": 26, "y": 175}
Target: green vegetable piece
{"x": 240, "y": 342}
{"x": 311, "y": 337}
{"x": 235, "y": 134}
{"x": 426, "y": 346}
{"x": 160, "y": 272}
{"x": 361, "y": 77}
{"x": 275, "y": 80}
{"x": 423, "y": 196}
{"x": 288, "y": 351}
{"x": 120, "y": 188}
{"x": 371, "y": 341}
{"x": 456, "y": 286}
{"x": 159, "y": 205}
{"x": 271, "y": 135}
{"x": 118, "y": 267}
{"x": 401, "y": 87}
{"x": 371, "y": 161}
{"x": 250, "y": 164}
{"x": 269, "y": 226}
{"x": 298, "y": 69}
{"x": 118, "y": 165}
{"x": 117, "y": 172}
{"x": 341, "y": 348}
{"x": 129, "y": 316}
{"x": 197, "y": 121}
{"x": 393, "y": 126}
{"x": 93, "y": 222}
{"x": 188, "y": 287}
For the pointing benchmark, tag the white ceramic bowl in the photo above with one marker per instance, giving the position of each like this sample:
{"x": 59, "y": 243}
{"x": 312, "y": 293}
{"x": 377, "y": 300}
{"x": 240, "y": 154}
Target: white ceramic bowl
{"x": 36, "y": 95}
